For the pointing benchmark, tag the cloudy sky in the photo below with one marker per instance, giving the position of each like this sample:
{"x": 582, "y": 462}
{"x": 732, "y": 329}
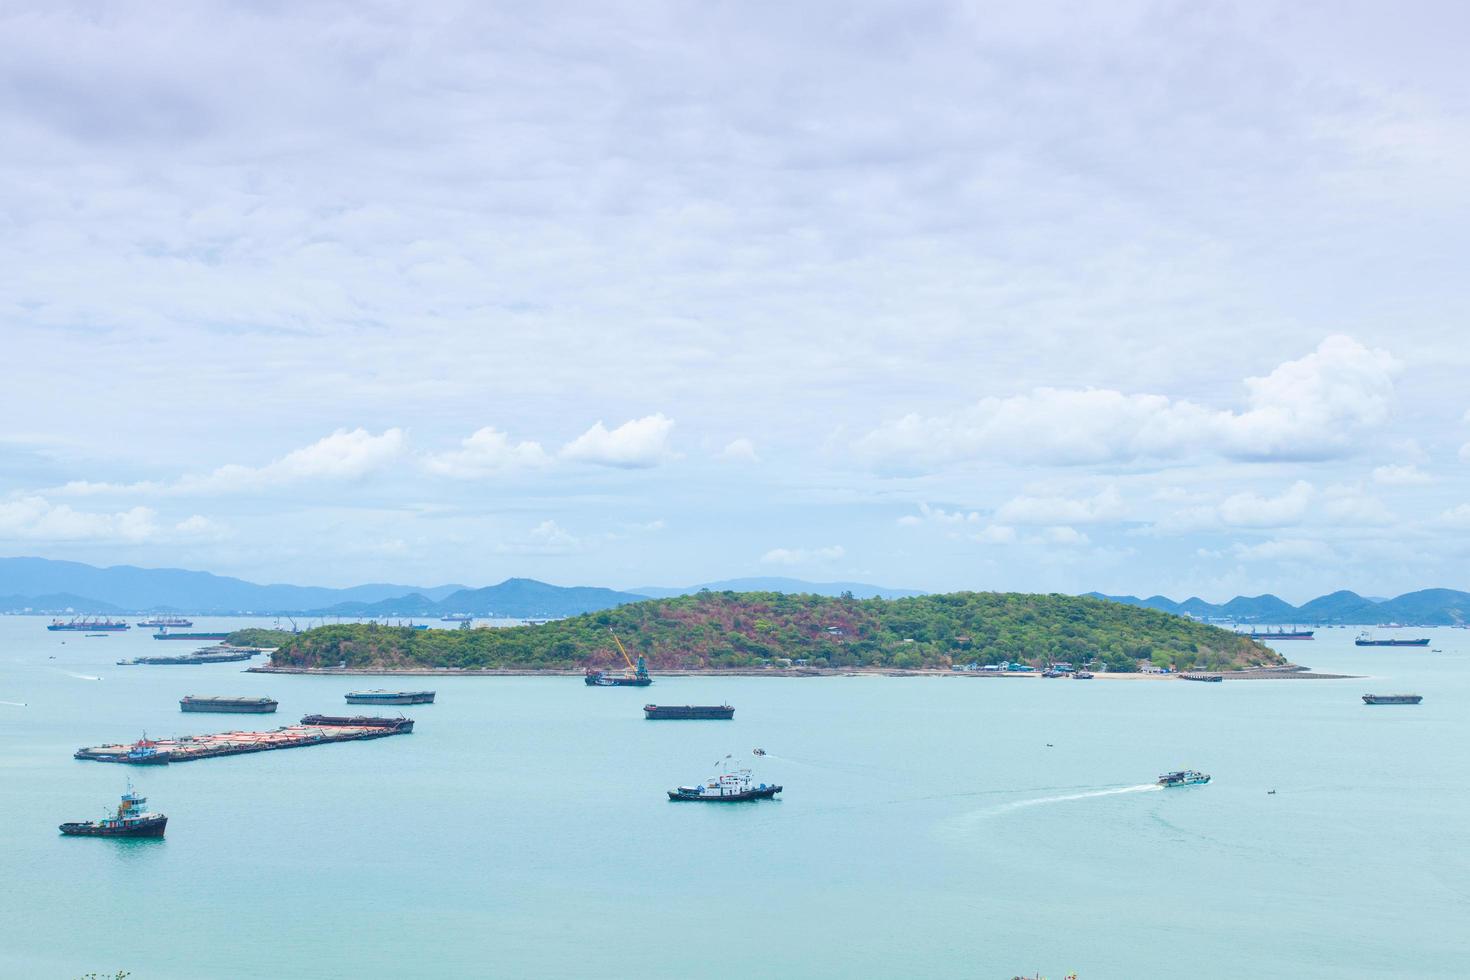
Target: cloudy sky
{"x": 1154, "y": 297}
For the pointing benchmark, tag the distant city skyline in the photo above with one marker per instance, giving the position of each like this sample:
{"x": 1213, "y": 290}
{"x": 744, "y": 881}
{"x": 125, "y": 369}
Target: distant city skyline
{"x": 1133, "y": 299}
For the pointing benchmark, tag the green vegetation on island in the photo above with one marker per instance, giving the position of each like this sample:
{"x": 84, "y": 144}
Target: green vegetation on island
{"x": 749, "y": 629}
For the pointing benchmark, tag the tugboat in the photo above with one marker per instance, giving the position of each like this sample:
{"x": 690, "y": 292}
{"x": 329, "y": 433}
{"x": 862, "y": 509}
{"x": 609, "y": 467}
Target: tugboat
{"x": 733, "y": 786}
{"x": 131, "y": 820}
{"x": 635, "y": 676}
{"x": 1186, "y": 777}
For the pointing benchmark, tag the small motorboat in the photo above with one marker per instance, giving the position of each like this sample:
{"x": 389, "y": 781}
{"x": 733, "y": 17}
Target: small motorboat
{"x": 1184, "y": 777}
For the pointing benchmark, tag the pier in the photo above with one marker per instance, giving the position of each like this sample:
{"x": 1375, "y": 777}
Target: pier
{"x": 313, "y": 730}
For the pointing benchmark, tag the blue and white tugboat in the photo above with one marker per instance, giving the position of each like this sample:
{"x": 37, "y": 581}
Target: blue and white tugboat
{"x": 728, "y": 786}
{"x": 1185, "y": 777}
{"x": 131, "y": 820}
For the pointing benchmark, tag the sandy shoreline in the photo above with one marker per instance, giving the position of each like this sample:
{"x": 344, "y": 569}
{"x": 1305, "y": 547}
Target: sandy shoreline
{"x": 1266, "y": 674}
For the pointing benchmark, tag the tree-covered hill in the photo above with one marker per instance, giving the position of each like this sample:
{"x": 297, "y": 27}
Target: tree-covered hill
{"x": 742, "y": 629}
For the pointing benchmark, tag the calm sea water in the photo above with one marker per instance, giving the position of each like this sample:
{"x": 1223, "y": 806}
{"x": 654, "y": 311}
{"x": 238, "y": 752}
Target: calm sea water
{"x": 927, "y": 828}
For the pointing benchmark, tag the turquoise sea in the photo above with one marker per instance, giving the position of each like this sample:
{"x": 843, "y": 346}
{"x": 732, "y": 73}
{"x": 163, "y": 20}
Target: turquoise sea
{"x": 930, "y": 827}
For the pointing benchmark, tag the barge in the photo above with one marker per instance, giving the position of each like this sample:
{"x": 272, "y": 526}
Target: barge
{"x": 390, "y": 697}
{"x": 222, "y": 705}
{"x": 164, "y": 634}
{"x": 167, "y": 622}
{"x": 660, "y": 711}
{"x": 313, "y": 730}
{"x": 1392, "y": 698}
{"x": 209, "y": 655}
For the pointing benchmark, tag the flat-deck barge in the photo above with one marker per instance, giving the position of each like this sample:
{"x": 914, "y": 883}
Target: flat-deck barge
{"x": 313, "y": 730}
{"x": 207, "y": 655}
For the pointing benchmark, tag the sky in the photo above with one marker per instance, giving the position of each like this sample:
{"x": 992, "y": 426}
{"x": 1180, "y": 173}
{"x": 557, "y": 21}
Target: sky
{"x": 1136, "y": 297}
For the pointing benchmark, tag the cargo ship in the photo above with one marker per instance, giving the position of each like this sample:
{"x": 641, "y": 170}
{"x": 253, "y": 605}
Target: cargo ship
{"x": 1185, "y": 777}
{"x": 313, "y": 730}
{"x": 131, "y": 820}
{"x": 1365, "y": 640}
{"x": 733, "y": 786}
{"x": 216, "y": 655}
{"x": 658, "y": 711}
{"x": 87, "y": 625}
{"x": 390, "y": 697}
{"x": 220, "y": 705}
{"x": 167, "y": 622}
{"x": 164, "y": 634}
{"x": 457, "y": 618}
{"x": 1282, "y": 634}
{"x": 1392, "y": 698}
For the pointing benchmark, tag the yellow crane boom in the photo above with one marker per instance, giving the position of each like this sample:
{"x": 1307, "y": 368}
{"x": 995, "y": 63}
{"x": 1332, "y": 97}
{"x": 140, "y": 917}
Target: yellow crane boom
{"x": 619, "y": 642}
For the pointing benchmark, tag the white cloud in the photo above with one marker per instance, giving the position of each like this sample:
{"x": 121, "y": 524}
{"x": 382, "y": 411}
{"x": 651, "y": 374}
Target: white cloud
{"x": 1106, "y": 505}
{"x": 1314, "y": 407}
{"x": 343, "y": 455}
{"x": 33, "y": 518}
{"x": 201, "y": 527}
{"x": 1465, "y": 452}
{"x": 547, "y": 538}
{"x": 1348, "y": 506}
{"x": 1064, "y": 536}
{"x": 995, "y": 534}
{"x": 803, "y": 556}
{"x": 1398, "y": 475}
{"x": 1285, "y": 550}
{"x": 636, "y": 444}
{"x": 486, "y": 452}
{"x": 1253, "y": 510}
{"x": 1456, "y": 517}
{"x": 741, "y": 450}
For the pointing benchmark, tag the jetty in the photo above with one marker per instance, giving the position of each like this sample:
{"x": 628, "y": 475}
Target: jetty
{"x": 313, "y": 730}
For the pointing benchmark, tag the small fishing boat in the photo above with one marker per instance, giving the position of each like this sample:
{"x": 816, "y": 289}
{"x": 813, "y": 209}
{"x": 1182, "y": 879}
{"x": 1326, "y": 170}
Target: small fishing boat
{"x": 1184, "y": 777}
{"x": 130, "y": 820}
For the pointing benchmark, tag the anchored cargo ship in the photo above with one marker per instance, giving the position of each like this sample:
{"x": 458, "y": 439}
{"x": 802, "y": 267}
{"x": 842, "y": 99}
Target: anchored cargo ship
{"x": 164, "y": 634}
{"x": 209, "y": 655}
{"x": 131, "y": 820}
{"x": 390, "y": 697}
{"x": 657, "y": 711}
{"x": 734, "y": 786}
{"x": 1366, "y": 640}
{"x": 457, "y": 618}
{"x": 1185, "y": 777}
{"x": 87, "y": 625}
{"x": 1282, "y": 634}
{"x": 1392, "y": 698}
{"x": 219, "y": 705}
{"x": 167, "y": 622}
{"x": 313, "y": 730}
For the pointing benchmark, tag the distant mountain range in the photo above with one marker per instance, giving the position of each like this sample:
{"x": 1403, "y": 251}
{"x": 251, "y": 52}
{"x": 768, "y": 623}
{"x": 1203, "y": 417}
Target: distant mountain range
{"x": 858, "y": 589}
{"x": 41, "y": 585}
{"x": 1427, "y": 607}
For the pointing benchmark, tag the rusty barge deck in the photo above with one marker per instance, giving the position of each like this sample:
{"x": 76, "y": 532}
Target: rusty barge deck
{"x": 313, "y": 730}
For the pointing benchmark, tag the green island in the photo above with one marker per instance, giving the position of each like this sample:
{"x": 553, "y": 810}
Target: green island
{"x": 733, "y": 630}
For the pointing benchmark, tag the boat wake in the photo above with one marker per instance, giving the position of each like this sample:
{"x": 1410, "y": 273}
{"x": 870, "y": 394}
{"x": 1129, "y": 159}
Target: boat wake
{"x": 81, "y": 677}
{"x": 1067, "y": 798}
{"x": 14, "y": 704}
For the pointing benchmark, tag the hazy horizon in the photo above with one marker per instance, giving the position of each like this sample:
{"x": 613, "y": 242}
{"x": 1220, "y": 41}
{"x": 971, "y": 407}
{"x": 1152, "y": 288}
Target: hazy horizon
{"x": 1134, "y": 299}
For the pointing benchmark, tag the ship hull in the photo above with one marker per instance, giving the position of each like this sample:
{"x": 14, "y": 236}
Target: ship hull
{"x": 766, "y": 793}
{"x": 1391, "y": 643}
{"x": 602, "y": 681}
{"x": 426, "y": 697}
{"x": 229, "y": 707}
{"x": 87, "y": 628}
{"x": 1392, "y": 698}
{"x": 657, "y": 712}
{"x": 190, "y": 636}
{"x": 143, "y": 828}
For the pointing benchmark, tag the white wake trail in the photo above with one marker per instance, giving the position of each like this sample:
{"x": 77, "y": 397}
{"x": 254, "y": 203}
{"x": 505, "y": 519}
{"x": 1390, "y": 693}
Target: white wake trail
{"x": 14, "y": 704}
{"x": 1022, "y": 804}
{"x": 81, "y": 677}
